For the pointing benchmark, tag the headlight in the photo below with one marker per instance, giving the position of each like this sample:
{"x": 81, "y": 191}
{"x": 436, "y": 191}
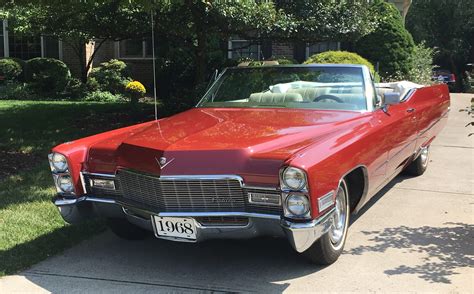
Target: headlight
{"x": 58, "y": 162}
{"x": 298, "y": 205}
{"x": 294, "y": 178}
{"x": 64, "y": 183}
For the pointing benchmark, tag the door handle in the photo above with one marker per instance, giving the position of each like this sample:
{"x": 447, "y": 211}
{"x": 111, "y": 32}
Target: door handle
{"x": 410, "y": 110}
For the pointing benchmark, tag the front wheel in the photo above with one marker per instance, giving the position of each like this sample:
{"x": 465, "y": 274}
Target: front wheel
{"x": 329, "y": 247}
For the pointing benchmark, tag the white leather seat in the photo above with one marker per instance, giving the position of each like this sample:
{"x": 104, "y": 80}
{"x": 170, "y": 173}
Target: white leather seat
{"x": 275, "y": 97}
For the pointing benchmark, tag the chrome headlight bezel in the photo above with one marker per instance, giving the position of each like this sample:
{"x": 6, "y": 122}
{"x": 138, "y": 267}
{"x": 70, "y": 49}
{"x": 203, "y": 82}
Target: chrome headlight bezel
{"x": 58, "y": 163}
{"x": 67, "y": 186}
{"x": 304, "y": 213}
{"x": 60, "y": 169}
{"x": 294, "y": 174}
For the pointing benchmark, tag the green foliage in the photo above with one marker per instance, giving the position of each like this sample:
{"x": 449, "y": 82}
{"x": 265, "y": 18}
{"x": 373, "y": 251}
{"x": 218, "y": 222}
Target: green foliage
{"x": 339, "y": 57}
{"x": 391, "y": 45}
{"x": 47, "y": 75}
{"x": 16, "y": 91}
{"x": 447, "y": 26}
{"x": 421, "y": 64}
{"x": 103, "y": 96}
{"x": 284, "y": 60}
{"x": 75, "y": 89}
{"x": 111, "y": 76}
{"x": 309, "y": 20}
{"x": 10, "y": 69}
{"x": 78, "y": 22}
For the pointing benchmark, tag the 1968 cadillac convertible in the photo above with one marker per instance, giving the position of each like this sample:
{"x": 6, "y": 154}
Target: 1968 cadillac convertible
{"x": 288, "y": 151}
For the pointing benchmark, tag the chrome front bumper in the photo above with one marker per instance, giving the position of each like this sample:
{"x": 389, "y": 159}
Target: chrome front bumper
{"x": 300, "y": 235}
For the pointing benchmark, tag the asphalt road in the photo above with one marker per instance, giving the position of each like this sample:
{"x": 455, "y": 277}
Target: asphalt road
{"x": 416, "y": 235}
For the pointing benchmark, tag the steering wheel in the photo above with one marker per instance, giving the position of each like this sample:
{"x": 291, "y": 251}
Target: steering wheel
{"x": 330, "y": 97}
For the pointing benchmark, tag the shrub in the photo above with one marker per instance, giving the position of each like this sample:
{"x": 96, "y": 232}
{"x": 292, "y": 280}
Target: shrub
{"x": 339, "y": 57}
{"x": 16, "y": 91}
{"x": 391, "y": 45}
{"x": 75, "y": 89}
{"x": 282, "y": 60}
{"x": 421, "y": 64}
{"x": 47, "y": 75}
{"x": 10, "y": 69}
{"x": 111, "y": 76}
{"x": 103, "y": 96}
{"x": 135, "y": 90}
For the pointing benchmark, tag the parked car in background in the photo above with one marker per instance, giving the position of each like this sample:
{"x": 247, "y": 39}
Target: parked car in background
{"x": 444, "y": 76}
{"x": 470, "y": 76}
{"x": 288, "y": 151}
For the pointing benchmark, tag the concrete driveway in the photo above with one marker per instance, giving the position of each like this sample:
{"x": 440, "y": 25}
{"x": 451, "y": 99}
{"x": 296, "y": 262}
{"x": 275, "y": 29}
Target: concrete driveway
{"x": 416, "y": 235}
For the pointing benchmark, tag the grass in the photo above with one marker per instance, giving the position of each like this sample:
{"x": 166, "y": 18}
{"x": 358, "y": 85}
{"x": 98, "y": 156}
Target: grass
{"x": 31, "y": 228}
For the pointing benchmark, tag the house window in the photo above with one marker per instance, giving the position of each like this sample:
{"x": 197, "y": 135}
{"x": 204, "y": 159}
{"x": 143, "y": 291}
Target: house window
{"x": 27, "y": 47}
{"x": 239, "y": 49}
{"x": 50, "y": 47}
{"x": 319, "y": 47}
{"x": 23, "y": 47}
{"x": 133, "y": 48}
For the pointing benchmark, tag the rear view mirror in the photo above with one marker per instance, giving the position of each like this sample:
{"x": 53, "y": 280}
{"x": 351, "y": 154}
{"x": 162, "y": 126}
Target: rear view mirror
{"x": 391, "y": 98}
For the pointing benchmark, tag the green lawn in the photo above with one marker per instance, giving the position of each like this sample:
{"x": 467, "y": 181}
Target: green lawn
{"x": 31, "y": 228}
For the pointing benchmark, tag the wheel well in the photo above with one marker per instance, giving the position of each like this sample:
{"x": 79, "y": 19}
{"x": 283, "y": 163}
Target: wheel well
{"x": 356, "y": 184}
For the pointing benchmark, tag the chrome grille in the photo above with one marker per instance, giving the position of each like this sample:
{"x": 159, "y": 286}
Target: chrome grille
{"x": 183, "y": 194}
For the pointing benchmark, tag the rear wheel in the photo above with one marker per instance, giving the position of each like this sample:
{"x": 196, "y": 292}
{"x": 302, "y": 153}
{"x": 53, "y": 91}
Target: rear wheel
{"x": 329, "y": 247}
{"x": 125, "y": 230}
{"x": 420, "y": 164}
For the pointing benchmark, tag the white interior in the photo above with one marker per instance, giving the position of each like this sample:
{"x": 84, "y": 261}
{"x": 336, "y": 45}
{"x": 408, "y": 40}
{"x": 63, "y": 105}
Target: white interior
{"x": 402, "y": 87}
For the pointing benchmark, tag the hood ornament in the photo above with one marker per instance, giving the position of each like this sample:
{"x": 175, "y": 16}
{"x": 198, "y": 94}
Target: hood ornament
{"x": 163, "y": 162}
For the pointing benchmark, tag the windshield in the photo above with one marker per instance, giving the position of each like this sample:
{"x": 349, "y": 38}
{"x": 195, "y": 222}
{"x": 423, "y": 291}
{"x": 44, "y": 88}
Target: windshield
{"x": 314, "y": 87}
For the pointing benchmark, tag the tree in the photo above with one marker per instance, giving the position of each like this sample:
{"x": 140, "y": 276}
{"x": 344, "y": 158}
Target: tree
{"x": 302, "y": 20}
{"x": 78, "y": 22}
{"x": 390, "y": 45}
{"x": 449, "y": 27}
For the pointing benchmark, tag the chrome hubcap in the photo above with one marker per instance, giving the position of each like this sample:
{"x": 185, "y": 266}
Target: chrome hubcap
{"x": 338, "y": 226}
{"x": 424, "y": 156}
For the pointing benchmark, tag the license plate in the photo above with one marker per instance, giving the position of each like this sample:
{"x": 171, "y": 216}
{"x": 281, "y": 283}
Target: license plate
{"x": 178, "y": 227}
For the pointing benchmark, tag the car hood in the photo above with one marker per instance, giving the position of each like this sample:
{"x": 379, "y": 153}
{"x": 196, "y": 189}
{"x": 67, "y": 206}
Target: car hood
{"x": 218, "y": 141}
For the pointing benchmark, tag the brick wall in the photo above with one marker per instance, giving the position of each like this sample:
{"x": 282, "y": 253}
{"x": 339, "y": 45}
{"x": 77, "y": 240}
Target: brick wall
{"x": 282, "y": 50}
{"x": 71, "y": 59}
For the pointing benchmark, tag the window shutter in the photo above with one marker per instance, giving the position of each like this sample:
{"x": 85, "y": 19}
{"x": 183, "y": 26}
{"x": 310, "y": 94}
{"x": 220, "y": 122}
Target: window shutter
{"x": 266, "y": 49}
{"x": 299, "y": 51}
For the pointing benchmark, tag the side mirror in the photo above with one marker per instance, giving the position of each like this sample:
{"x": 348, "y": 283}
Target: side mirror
{"x": 391, "y": 98}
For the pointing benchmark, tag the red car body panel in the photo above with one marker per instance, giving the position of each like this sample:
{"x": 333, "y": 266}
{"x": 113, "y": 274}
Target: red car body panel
{"x": 256, "y": 143}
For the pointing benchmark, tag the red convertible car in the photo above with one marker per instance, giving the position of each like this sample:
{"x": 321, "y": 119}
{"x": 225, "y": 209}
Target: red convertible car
{"x": 288, "y": 151}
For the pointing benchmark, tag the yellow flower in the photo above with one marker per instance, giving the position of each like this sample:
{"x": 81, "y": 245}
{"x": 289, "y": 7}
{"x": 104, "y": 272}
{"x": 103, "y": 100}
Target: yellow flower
{"x": 135, "y": 88}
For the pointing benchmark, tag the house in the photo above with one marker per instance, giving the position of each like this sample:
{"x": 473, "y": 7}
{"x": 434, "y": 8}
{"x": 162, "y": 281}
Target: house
{"x": 138, "y": 53}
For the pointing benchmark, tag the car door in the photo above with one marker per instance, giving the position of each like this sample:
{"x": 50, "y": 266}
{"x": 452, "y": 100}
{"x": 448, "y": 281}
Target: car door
{"x": 401, "y": 128}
